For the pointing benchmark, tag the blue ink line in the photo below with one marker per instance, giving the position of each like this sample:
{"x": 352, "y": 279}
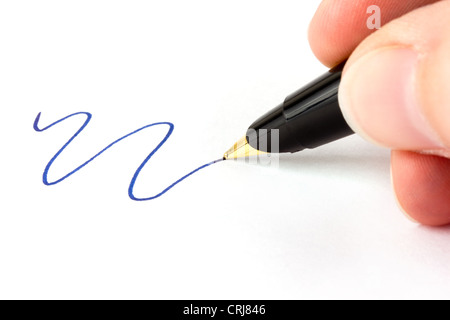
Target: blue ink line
{"x": 138, "y": 171}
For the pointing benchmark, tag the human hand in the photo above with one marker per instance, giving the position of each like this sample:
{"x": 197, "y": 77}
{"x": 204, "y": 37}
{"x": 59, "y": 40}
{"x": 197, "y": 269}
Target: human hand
{"x": 395, "y": 91}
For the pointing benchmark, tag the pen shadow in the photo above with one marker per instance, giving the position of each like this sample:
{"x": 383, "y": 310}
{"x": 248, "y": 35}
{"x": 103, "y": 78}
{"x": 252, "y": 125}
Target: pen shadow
{"x": 370, "y": 159}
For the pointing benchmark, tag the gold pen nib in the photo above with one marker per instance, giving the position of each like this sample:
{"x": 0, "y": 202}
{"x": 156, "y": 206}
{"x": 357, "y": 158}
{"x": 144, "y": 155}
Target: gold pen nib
{"x": 241, "y": 149}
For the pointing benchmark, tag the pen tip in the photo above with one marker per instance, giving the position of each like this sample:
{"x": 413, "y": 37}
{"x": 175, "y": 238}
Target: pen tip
{"x": 241, "y": 149}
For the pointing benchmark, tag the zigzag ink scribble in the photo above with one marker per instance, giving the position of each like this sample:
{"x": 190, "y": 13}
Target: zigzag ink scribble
{"x": 136, "y": 174}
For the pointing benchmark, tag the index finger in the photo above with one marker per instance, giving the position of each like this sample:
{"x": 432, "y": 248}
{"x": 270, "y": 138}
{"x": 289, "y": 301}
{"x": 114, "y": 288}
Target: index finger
{"x": 339, "y": 26}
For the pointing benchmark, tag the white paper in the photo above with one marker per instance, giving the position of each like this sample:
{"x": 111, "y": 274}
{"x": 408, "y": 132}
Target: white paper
{"x": 323, "y": 224}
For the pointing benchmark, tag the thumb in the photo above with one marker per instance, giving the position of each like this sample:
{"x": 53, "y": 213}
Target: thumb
{"x": 395, "y": 87}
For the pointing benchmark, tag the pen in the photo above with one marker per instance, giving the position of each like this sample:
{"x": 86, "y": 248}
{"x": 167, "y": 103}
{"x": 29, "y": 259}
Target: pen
{"x": 307, "y": 119}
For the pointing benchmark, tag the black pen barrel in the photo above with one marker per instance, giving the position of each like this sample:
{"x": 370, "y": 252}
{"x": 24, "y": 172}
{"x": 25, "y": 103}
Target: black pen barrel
{"x": 307, "y": 119}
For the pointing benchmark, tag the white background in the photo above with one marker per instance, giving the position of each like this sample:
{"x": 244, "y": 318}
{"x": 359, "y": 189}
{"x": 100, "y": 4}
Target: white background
{"x": 323, "y": 225}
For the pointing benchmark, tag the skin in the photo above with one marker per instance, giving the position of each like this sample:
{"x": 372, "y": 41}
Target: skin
{"x": 338, "y": 30}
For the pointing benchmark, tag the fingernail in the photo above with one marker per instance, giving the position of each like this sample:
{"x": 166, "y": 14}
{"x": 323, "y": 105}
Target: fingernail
{"x": 379, "y": 100}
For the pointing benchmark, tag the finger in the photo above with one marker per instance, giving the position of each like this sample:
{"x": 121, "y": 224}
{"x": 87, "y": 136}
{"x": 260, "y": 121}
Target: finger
{"x": 394, "y": 90}
{"x": 422, "y": 186}
{"x": 340, "y": 25}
